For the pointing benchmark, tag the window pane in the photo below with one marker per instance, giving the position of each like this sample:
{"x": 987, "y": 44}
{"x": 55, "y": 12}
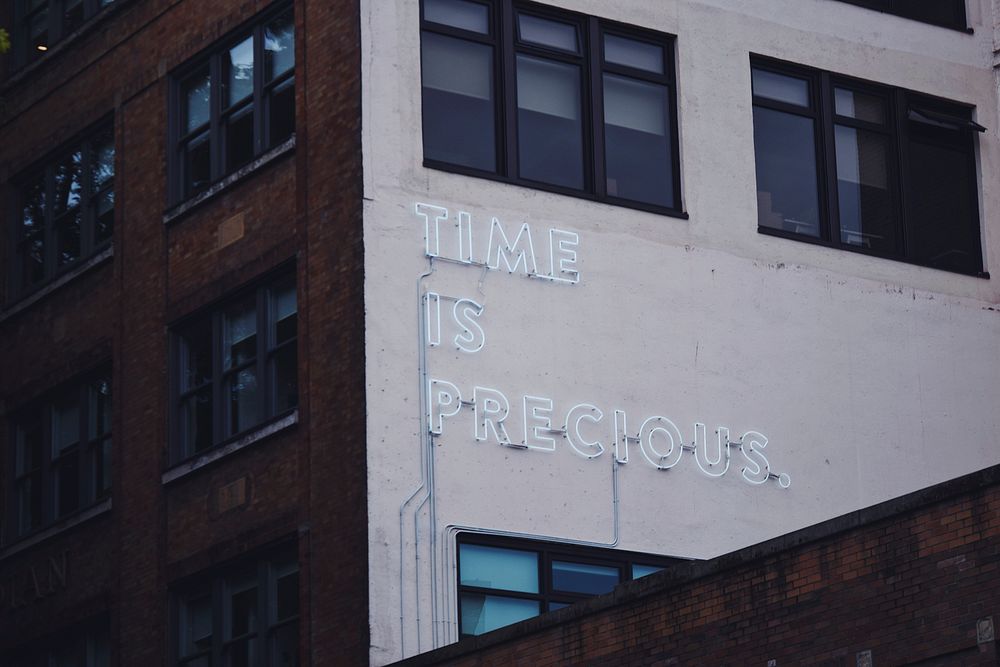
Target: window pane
{"x": 285, "y": 377}
{"x": 458, "y": 14}
{"x": 458, "y": 106}
{"x": 102, "y": 162}
{"x": 32, "y": 246}
{"x": 29, "y": 501}
{"x": 243, "y": 400}
{"x": 65, "y": 423}
{"x": 279, "y": 46}
{"x": 196, "y": 419}
{"x": 238, "y": 63}
{"x": 945, "y": 12}
{"x": 633, "y": 53}
{"x": 556, "y": 34}
{"x": 196, "y": 626}
{"x": 285, "y": 646}
{"x": 281, "y": 112}
{"x": 100, "y": 468}
{"x": 240, "y": 326}
{"x": 100, "y": 408}
{"x": 780, "y": 87}
{"x": 287, "y": 596}
{"x": 553, "y": 606}
{"x": 68, "y": 238}
{"x": 862, "y": 106}
{"x": 637, "y": 141}
{"x": 493, "y": 567}
{"x": 67, "y": 483}
{"x": 104, "y": 216}
{"x": 68, "y": 178}
{"x": 195, "y": 93}
{"x": 550, "y": 130}
{"x": 239, "y": 138}
{"x": 866, "y": 216}
{"x": 643, "y": 570}
{"x": 941, "y": 206}
{"x": 482, "y": 613}
{"x": 29, "y": 446}
{"x": 583, "y": 578}
{"x": 284, "y": 312}
{"x": 242, "y": 611}
{"x": 787, "y": 190}
{"x": 197, "y": 352}
{"x": 197, "y": 164}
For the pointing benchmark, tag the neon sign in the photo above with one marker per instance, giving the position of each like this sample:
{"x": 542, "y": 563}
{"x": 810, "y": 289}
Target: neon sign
{"x": 584, "y": 427}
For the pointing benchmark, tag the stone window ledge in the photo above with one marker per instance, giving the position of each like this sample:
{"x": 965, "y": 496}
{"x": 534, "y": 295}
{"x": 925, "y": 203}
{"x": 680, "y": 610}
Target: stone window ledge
{"x": 34, "y": 297}
{"x": 57, "y": 528}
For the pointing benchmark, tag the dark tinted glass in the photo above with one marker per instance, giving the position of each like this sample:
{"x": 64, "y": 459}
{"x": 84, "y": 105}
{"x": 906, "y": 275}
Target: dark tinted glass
{"x": 549, "y": 125}
{"x": 458, "y": 93}
{"x": 243, "y": 400}
{"x": 462, "y": 14}
{"x": 583, "y": 577}
{"x": 239, "y": 138}
{"x": 633, "y": 53}
{"x": 863, "y": 189}
{"x": 67, "y": 483}
{"x": 637, "y": 141}
{"x": 195, "y": 93}
{"x": 285, "y": 646}
{"x": 944, "y": 12}
{"x": 197, "y": 164}
{"x": 787, "y": 190}
{"x": 545, "y": 32}
{"x": 72, "y": 15}
{"x": 940, "y": 206}
{"x": 482, "y": 613}
{"x": 196, "y": 419}
{"x": 281, "y": 113}
{"x": 68, "y": 238}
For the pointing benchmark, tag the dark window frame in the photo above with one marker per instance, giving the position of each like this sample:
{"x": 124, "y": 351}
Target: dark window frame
{"x": 503, "y": 38}
{"x": 266, "y": 350}
{"x": 898, "y": 103}
{"x": 92, "y": 489}
{"x": 905, "y": 10}
{"x": 259, "y": 102}
{"x": 217, "y": 586}
{"x": 44, "y": 171}
{"x": 24, "y": 53}
{"x": 547, "y": 553}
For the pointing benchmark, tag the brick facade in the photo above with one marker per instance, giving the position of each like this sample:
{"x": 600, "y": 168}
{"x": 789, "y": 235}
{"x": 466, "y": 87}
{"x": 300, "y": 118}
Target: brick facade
{"x": 911, "y": 581}
{"x": 304, "y": 485}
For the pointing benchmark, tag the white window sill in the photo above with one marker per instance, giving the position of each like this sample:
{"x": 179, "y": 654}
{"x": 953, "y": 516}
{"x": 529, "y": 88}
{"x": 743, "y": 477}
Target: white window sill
{"x": 57, "y": 528}
{"x": 211, "y": 456}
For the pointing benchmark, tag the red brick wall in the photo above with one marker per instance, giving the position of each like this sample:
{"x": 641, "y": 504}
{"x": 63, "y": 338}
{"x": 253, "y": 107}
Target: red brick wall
{"x": 305, "y": 484}
{"x": 907, "y": 581}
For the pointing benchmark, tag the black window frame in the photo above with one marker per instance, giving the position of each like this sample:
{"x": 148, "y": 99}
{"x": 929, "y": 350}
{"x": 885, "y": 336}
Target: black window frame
{"x": 547, "y": 553}
{"x": 904, "y": 8}
{"x": 899, "y": 103}
{"x": 92, "y": 486}
{"x": 259, "y": 102}
{"x": 216, "y": 585}
{"x": 266, "y": 350}
{"x": 504, "y": 38}
{"x": 44, "y": 172}
{"x": 58, "y": 28}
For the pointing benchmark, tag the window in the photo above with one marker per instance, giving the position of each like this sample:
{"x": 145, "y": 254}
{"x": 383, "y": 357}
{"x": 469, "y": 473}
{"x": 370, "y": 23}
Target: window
{"x": 61, "y": 455}
{"x": 66, "y": 210}
{"x": 233, "y": 105}
{"x": 551, "y": 100}
{"x": 247, "y": 615}
{"x": 86, "y": 646}
{"x": 503, "y": 581}
{"x": 864, "y": 167}
{"x": 947, "y": 13}
{"x": 42, "y": 23}
{"x": 235, "y": 366}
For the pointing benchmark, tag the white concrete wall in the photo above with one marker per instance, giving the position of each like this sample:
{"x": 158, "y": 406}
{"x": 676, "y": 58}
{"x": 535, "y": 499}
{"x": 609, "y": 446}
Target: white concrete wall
{"x": 871, "y": 378}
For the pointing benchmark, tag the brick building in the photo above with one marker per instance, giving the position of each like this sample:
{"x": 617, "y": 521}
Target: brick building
{"x": 338, "y": 331}
{"x": 120, "y": 529}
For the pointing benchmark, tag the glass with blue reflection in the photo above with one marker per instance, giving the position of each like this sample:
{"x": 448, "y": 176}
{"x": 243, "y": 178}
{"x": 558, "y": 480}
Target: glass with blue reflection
{"x": 503, "y": 570}
{"x": 643, "y": 570}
